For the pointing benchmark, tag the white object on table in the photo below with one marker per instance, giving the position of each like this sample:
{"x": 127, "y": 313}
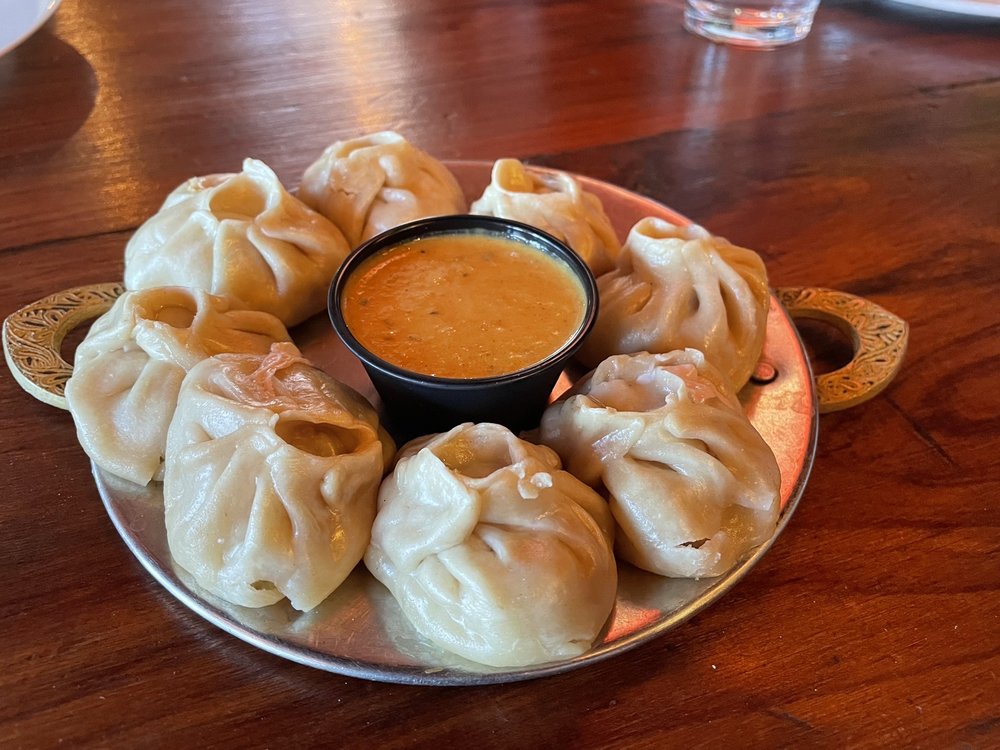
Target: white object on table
{"x": 19, "y": 19}
{"x": 985, "y": 8}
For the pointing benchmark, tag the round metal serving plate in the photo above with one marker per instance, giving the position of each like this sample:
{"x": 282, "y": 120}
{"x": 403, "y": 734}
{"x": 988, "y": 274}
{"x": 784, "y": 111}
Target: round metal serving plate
{"x": 360, "y": 630}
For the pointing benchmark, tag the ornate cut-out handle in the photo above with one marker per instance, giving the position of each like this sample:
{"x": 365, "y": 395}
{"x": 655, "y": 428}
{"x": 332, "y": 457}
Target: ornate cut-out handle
{"x": 879, "y": 339}
{"x": 33, "y": 336}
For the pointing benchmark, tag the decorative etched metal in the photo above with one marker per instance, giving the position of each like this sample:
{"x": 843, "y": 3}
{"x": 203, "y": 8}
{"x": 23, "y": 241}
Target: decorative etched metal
{"x": 879, "y": 339}
{"x": 33, "y": 336}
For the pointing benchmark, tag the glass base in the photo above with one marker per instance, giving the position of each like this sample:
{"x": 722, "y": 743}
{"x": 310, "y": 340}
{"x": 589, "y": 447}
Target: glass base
{"x": 760, "y": 28}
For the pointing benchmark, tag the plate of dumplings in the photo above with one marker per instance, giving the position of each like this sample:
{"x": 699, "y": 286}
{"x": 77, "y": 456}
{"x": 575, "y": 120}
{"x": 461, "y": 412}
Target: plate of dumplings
{"x": 239, "y": 448}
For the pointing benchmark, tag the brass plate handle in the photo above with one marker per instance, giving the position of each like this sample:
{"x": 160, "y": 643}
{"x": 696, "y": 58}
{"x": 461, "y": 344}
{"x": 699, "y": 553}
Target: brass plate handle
{"x": 33, "y": 335}
{"x": 879, "y": 339}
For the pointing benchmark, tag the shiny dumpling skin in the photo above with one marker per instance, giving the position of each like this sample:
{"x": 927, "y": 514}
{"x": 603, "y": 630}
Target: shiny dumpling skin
{"x": 369, "y": 184}
{"x": 241, "y": 236}
{"x": 556, "y": 203}
{"x": 692, "y": 485}
{"x": 492, "y": 551}
{"x": 679, "y": 286}
{"x": 129, "y": 368}
{"x": 272, "y": 471}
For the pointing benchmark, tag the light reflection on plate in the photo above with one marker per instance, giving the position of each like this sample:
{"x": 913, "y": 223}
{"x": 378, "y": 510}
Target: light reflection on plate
{"x": 360, "y": 630}
{"x": 19, "y": 19}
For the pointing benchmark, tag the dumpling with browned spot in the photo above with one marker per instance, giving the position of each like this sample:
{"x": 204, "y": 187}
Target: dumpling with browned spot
{"x": 692, "y": 485}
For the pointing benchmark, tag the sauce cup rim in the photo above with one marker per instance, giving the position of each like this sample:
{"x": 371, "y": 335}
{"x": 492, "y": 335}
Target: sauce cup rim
{"x": 464, "y": 224}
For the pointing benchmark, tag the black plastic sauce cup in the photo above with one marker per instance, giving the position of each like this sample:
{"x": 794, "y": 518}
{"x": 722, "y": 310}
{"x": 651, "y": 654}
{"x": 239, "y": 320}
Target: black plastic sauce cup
{"x": 417, "y": 404}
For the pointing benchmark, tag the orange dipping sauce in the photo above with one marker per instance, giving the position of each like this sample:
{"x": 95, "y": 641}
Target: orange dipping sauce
{"x": 463, "y": 305}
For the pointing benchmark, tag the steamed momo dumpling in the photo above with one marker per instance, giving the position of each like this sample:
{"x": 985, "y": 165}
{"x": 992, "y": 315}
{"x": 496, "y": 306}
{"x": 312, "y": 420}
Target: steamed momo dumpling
{"x": 241, "y": 236}
{"x": 556, "y": 203}
{"x": 492, "y": 551}
{"x": 676, "y": 287}
{"x": 271, "y": 476}
{"x": 370, "y": 184}
{"x": 692, "y": 485}
{"x": 127, "y": 372}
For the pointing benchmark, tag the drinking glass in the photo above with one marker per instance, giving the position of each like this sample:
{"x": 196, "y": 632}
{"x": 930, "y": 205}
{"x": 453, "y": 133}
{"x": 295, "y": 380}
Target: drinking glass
{"x": 750, "y": 23}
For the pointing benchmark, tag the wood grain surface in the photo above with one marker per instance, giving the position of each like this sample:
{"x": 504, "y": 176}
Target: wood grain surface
{"x": 864, "y": 159}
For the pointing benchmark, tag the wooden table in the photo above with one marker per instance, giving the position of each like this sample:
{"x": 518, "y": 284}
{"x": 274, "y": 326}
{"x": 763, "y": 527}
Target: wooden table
{"x": 864, "y": 159}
